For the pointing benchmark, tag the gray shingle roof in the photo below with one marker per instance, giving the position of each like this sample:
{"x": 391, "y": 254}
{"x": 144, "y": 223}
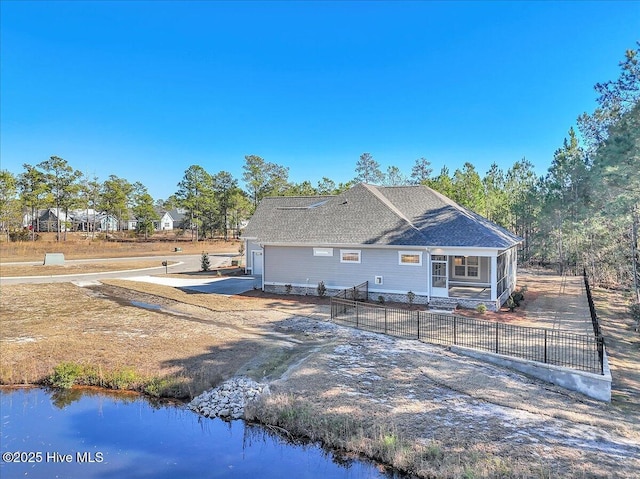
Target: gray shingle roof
{"x": 366, "y": 214}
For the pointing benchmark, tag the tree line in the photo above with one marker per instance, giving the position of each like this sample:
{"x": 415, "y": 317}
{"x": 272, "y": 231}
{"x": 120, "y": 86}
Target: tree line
{"x": 582, "y": 213}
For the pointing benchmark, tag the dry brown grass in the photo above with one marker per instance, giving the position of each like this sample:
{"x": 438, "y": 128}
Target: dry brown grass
{"x": 77, "y": 246}
{"x": 44, "y": 325}
{"x": 15, "y": 270}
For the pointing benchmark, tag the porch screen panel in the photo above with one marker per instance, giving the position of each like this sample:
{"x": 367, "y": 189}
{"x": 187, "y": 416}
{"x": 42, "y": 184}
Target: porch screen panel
{"x": 502, "y": 274}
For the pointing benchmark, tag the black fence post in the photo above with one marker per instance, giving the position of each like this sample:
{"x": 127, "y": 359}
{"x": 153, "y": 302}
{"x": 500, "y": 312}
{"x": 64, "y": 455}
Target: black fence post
{"x": 497, "y": 337}
{"x": 455, "y": 335}
{"x": 357, "y": 320}
{"x": 601, "y": 353}
{"x": 385, "y": 320}
{"x": 418, "y": 319}
{"x": 545, "y": 346}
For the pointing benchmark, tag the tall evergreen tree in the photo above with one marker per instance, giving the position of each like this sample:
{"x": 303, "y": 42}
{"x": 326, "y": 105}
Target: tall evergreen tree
{"x": 33, "y": 193}
{"x": 115, "y": 198}
{"x": 394, "y": 177}
{"x": 421, "y": 172}
{"x": 143, "y": 209}
{"x": 193, "y": 191}
{"x": 224, "y": 185}
{"x": 62, "y": 181}
{"x": 9, "y": 206}
{"x": 368, "y": 170}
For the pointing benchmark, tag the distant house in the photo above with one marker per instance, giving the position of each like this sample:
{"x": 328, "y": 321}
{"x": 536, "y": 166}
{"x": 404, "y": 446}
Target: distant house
{"x": 178, "y": 219}
{"x": 46, "y": 220}
{"x": 131, "y": 224}
{"x": 76, "y": 220}
{"x": 399, "y": 239}
{"x": 165, "y": 223}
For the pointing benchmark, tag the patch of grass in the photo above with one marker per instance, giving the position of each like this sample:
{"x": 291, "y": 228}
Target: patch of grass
{"x": 381, "y": 441}
{"x": 167, "y": 387}
{"x": 68, "y": 374}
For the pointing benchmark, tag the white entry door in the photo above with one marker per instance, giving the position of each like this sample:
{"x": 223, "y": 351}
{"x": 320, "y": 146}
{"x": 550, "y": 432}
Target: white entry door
{"x": 256, "y": 263}
{"x": 439, "y": 276}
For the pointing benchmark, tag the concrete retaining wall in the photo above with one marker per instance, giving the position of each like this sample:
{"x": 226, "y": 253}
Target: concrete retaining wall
{"x": 596, "y": 386}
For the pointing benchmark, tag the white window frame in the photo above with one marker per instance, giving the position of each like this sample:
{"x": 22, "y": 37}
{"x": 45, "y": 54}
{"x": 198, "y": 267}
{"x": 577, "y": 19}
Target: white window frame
{"x": 410, "y": 253}
{"x": 466, "y": 267}
{"x": 322, "y": 251}
{"x": 350, "y": 251}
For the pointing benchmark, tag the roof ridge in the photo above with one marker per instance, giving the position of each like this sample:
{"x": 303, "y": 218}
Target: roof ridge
{"x": 374, "y": 189}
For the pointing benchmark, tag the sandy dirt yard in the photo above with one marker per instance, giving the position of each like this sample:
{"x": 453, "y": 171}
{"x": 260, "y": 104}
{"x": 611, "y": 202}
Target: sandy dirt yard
{"x": 478, "y": 420}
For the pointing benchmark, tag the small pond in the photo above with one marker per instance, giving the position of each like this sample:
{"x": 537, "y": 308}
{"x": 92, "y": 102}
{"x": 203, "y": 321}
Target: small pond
{"x": 93, "y": 434}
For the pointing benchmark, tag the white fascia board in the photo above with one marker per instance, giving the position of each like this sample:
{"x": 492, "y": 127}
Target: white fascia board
{"x": 460, "y": 251}
{"x": 347, "y": 246}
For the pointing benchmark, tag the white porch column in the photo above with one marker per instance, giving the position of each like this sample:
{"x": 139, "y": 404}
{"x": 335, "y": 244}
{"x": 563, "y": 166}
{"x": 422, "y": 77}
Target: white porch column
{"x": 494, "y": 278}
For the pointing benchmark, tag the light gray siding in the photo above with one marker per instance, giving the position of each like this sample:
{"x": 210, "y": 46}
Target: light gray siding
{"x": 298, "y": 266}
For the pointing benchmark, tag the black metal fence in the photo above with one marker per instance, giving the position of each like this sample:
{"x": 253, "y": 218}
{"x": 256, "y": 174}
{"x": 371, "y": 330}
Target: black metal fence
{"x": 594, "y": 319}
{"x": 359, "y": 292}
{"x": 560, "y": 348}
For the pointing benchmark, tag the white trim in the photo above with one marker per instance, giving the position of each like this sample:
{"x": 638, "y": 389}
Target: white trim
{"x": 446, "y": 250}
{"x": 494, "y": 278}
{"x": 350, "y": 251}
{"x": 410, "y": 253}
{"x": 323, "y": 252}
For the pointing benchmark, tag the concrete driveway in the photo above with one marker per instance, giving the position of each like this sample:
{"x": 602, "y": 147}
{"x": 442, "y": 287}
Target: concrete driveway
{"x": 225, "y": 285}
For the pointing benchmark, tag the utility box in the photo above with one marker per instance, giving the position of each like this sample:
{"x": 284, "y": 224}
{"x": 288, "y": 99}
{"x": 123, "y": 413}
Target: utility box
{"x": 54, "y": 259}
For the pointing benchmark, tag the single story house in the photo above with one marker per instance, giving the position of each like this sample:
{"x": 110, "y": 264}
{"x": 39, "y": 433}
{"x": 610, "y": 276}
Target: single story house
{"x": 400, "y": 239}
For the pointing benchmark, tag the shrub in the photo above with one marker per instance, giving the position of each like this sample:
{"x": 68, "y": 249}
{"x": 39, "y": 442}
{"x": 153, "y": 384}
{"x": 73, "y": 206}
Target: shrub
{"x": 481, "y": 308}
{"x": 288, "y": 288}
{"x": 511, "y": 304}
{"x": 381, "y": 299}
{"x": 518, "y": 297}
{"x": 205, "y": 264}
{"x": 411, "y": 296}
{"x": 65, "y": 375}
{"x": 322, "y": 289}
{"x": 22, "y": 235}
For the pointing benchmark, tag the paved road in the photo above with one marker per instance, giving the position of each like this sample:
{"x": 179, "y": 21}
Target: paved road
{"x": 223, "y": 285}
{"x": 186, "y": 263}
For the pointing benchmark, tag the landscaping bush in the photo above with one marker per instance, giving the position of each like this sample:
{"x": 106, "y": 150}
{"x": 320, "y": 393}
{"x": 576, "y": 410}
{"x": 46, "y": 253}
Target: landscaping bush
{"x": 205, "y": 264}
{"x": 481, "y": 308}
{"x": 322, "y": 289}
{"x": 411, "y": 296}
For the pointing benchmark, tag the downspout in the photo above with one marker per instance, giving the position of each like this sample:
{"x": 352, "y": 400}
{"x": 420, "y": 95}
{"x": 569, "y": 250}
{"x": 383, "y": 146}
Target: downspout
{"x": 264, "y": 270}
{"x": 429, "y": 279}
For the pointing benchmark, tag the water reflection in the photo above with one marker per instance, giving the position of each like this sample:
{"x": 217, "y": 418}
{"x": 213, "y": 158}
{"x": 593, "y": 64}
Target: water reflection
{"x": 137, "y": 439}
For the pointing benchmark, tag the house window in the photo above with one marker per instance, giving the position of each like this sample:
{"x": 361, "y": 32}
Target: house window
{"x": 322, "y": 251}
{"x": 349, "y": 256}
{"x": 466, "y": 266}
{"x": 413, "y": 258}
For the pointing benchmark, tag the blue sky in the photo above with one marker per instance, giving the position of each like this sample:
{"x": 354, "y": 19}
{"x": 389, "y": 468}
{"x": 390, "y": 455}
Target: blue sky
{"x": 145, "y": 89}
